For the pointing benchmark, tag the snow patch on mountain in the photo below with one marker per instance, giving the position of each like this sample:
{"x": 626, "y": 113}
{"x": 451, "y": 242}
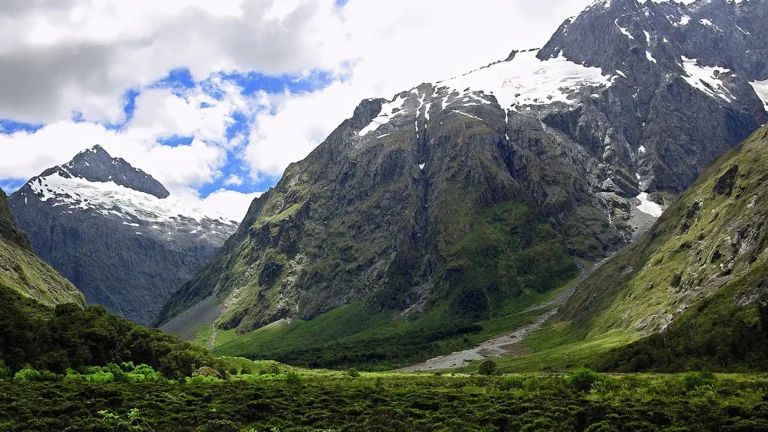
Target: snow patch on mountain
{"x": 111, "y": 199}
{"x": 761, "y": 88}
{"x": 388, "y": 111}
{"x": 707, "y": 79}
{"x": 649, "y": 207}
{"x": 527, "y": 80}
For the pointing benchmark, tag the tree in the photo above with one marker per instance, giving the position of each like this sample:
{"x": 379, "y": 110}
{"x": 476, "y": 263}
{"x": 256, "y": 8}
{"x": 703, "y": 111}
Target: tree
{"x": 488, "y": 367}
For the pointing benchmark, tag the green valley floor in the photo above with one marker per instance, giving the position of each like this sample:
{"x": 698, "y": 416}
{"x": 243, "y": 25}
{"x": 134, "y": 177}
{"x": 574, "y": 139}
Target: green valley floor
{"x": 306, "y": 400}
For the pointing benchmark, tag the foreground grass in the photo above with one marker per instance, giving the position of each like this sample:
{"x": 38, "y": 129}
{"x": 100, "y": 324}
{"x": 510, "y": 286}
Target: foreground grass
{"x": 318, "y": 400}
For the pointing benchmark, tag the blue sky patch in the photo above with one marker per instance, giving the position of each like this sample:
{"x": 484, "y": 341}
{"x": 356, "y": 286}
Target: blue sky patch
{"x": 180, "y": 81}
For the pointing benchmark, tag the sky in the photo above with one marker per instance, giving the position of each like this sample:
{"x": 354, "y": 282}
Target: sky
{"x": 215, "y": 98}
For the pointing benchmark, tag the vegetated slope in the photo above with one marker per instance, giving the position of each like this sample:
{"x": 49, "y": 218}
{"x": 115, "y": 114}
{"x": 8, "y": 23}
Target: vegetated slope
{"x": 116, "y": 232}
{"x": 463, "y": 197}
{"x": 70, "y": 336}
{"x": 24, "y": 272}
{"x": 696, "y": 282}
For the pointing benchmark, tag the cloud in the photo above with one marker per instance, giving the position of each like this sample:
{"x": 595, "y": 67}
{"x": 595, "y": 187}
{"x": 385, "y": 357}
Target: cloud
{"x": 233, "y": 180}
{"x": 159, "y": 114}
{"x": 106, "y": 63}
{"x": 393, "y": 46}
{"x": 57, "y": 58}
{"x": 229, "y": 203}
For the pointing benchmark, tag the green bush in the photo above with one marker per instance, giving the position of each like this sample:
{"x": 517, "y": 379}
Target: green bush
{"x": 488, "y": 367}
{"x": 582, "y": 379}
{"x": 28, "y": 374}
{"x": 5, "y": 371}
{"x": 293, "y": 379}
{"x": 694, "y": 380}
{"x": 353, "y": 373}
{"x": 603, "y": 426}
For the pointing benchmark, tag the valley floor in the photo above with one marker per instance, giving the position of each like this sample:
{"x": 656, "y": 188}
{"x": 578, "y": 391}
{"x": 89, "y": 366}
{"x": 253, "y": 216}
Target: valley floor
{"x": 336, "y": 401}
{"x": 506, "y": 345}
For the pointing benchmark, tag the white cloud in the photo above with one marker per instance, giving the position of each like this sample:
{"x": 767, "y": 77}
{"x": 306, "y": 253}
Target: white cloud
{"x": 229, "y": 203}
{"x": 81, "y": 55}
{"x": 63, "y": 56}
{"x": 233, "y": 180}
{"x": 397, "y": 45}
{"x": 158, "y": 114}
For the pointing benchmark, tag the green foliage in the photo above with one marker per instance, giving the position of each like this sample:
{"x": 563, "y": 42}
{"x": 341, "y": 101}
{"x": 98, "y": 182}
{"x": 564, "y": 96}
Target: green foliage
{"x": 72, "y": 337}
{"x": 352, "y": 336}
{"x": 583, "y": 379}
{"x": 488, "y": 367}
{"x": 510, "y": 249}
{"x": 694, "y": 380}
{"x": 5, "y": 371}
{"x": 27, "y": 374}
{"x": 717, "y": 335}
{"x": 352, "y": 372}
{"x": 389, "y": 402}
{"x": 293, "y": 379}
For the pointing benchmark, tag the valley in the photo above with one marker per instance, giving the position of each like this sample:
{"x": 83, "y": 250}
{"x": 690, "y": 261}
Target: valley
{"x": 570, "y": 238}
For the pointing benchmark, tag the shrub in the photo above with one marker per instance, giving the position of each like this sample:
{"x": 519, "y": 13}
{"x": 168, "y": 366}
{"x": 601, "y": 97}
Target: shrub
{"x": 5, "y": 372}
{"x": 582, "y": 379}
{"x": 353, "y": 373}
{"x": 488, "y": 367}
{"x": 27, "y": 374}
{"x": 293, "y": 379}
{"x": 694, "y": 380}
{"x": 603, "y": 426}
{"x": 246, "y": 370}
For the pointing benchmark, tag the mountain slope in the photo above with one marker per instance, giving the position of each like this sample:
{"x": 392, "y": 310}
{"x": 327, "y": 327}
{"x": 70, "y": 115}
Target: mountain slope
{"x": 23, "y": 272}
{"x": 469, "y": 197}
{"x": 704, "y": 262}
{"x": 116, "y": 232}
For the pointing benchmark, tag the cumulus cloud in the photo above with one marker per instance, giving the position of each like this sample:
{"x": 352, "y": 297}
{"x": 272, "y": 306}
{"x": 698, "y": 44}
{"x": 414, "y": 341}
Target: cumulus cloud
{"x": 81, "y": 55}
{"x": 65, "y": 58}
{"x": 396, "y": 45}
{"x": 158, "y": 114}
{"x": 229, "y": 203}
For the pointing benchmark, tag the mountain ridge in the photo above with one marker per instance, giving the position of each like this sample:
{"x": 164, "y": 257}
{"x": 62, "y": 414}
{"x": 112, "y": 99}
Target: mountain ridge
{"x": 453, "y": 196}
{"x": 116, "y": 232}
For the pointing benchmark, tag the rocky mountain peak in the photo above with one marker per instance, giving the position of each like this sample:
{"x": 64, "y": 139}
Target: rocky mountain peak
{"x": 96, "y": 165}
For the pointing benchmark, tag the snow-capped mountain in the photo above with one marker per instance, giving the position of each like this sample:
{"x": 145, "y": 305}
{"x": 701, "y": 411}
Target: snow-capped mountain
{"x": 116, "y": 232}
{"x": 456, "y": 194}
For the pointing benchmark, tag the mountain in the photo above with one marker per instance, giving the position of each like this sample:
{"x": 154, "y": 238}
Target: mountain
{"x": 116, "y": 232}
{"x": 466, "y": 199}
{"x": 695, "y": 287}
{"x": 21, "y": 271}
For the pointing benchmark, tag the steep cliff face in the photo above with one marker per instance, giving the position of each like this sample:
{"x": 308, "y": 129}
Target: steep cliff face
{"x": 22, "y": 271}
{"x": 698, "y": 276}
{"x": 116, "y": 233}
{"x": 465, "y": 195}
{"x": 714, "y": 233}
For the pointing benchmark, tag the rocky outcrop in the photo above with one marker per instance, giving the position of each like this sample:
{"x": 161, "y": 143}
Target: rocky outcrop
{"x": 709, "y": 248}
{"x": 116, "y": 233}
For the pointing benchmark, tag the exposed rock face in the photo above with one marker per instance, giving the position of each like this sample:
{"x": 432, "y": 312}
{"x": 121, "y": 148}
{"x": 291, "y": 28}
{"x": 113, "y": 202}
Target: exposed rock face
{"x": 22, "y": 271}
{"x": 97, "y": 166}
{"x": 710, "y": 246}
{"x": 116, "y": 233}
{"x": 467, "y": 192}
